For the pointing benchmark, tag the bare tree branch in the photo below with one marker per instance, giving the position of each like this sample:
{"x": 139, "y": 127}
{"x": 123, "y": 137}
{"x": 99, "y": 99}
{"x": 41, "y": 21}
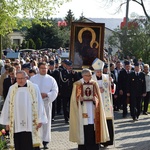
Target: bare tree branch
{"x": 142, "y": 4}
{"x": 121, "y": 6}
{"x": 137, "y": 2}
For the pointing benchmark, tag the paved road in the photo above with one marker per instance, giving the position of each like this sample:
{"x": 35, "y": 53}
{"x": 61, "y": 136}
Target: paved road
{"x": 129, "y": 135}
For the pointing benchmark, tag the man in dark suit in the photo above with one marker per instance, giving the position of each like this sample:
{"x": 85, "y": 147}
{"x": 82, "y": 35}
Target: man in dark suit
{"x": 122, "y": 85}
{"x": 67, "y": 78}
{"x": 136, "y": 89}
{"x": 9, "y": 81}
{"x": 116, "y": 94}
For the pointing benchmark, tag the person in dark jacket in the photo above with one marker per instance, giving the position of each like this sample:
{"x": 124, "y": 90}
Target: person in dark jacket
{"x": 67, "y": 78}
{"x": 136, "y": 89}
{"x": 122, "y": 86}
{"x": 9, "y": 81}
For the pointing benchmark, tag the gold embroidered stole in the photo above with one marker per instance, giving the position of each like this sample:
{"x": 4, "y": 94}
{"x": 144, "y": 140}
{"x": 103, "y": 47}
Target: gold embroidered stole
{"x": 33, "y": 97}
{"x": 97, "y": 119}
{"x": 106, "y": 95}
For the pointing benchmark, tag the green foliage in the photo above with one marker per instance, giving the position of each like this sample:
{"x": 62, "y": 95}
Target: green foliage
{"x": 35, "y": 10}
{"x": 3, "y": 143}
{"x": 23, "y": 45}
{"x": 6, "y": 42}
{"x": 69, "y": 17}
{"x": 32, "y": 44}
{"x": 27, "y": 44}
{"x": 38, "y": 43}
{"x": 136, "y": 42}
{"x": 81, "y": 18}
{"x": 14, "y": 46}
{"x": 49, "y": 36}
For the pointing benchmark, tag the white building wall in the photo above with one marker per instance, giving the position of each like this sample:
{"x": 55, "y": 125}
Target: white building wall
{"x": 107, "y": 34}
{"x": 16, "y": 35}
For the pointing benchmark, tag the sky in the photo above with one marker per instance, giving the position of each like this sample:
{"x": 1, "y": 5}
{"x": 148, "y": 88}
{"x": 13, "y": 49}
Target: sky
{"x": 99, "y": 9}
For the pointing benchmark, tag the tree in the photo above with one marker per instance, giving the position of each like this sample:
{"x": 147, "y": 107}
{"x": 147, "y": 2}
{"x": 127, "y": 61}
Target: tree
{"x": 27, "y": 9}
{"x": 6, "y": 42}
{"x": 81, "y": 18}
{"x": 140, "y": 2}
{"x": 49, "y": 35}
{"x": 136, "y": 43}
{"x": 23, "y": 45}
{"x": 143, "y": 7}
{"x": 27, "y": 44}
{"x": 69, "y": 17}
{"x": 38, "y": 43}
{"x": 32, "y": 44}
{"x": 64, "y": 33}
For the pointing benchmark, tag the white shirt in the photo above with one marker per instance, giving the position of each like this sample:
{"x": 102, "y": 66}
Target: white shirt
{"x": 147, "y": 80}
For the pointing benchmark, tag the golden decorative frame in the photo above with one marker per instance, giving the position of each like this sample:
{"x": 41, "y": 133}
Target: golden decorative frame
{"x": 84, "y": 93}
{"x": 95, "y": 41}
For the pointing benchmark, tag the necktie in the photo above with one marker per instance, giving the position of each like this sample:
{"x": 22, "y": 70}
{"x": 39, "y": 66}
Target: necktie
{"x": 12, "y": 80}
{"x": 137, "y": 74}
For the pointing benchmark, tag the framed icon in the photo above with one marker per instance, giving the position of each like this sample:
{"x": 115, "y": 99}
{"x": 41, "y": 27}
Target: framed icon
{"x": 86, "y": 44}
{"x": 87, "y": 92}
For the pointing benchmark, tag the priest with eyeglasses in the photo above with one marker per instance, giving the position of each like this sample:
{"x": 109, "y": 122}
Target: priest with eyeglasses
{"x": 23, "y": 114}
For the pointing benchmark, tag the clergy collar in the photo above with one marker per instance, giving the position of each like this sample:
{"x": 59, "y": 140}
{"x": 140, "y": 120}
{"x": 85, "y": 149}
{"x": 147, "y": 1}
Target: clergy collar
{"x": 22, "y": 86}
{"x": 99, "y": 78}
{"x": 84, "y": 81}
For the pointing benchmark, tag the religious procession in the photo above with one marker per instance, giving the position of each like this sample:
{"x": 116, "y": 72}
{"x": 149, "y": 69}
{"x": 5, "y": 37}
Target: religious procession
{"x": 36, "y": 91}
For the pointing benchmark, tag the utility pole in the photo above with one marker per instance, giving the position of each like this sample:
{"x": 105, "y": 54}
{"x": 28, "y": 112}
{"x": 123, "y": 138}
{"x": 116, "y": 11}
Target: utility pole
{"x": 127, "y": 18}
{"x": 126, "y": 28}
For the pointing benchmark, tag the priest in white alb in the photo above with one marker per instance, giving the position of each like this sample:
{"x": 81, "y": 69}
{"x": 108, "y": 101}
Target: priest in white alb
{"x": 105, "y": 83}
{"x": 49, "y": 91}
{"x": 23, "y": 114}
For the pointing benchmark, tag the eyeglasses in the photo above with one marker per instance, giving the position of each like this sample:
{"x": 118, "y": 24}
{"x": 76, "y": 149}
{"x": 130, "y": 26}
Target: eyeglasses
{"x": 88, "y": 75}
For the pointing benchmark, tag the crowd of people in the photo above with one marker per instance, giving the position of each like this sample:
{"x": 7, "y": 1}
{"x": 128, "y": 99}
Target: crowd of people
{"x": 42, "y": 85}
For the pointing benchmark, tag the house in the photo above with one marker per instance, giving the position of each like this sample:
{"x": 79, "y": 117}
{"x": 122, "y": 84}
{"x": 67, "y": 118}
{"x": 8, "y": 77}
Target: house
{"x": 16, "y": 37}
